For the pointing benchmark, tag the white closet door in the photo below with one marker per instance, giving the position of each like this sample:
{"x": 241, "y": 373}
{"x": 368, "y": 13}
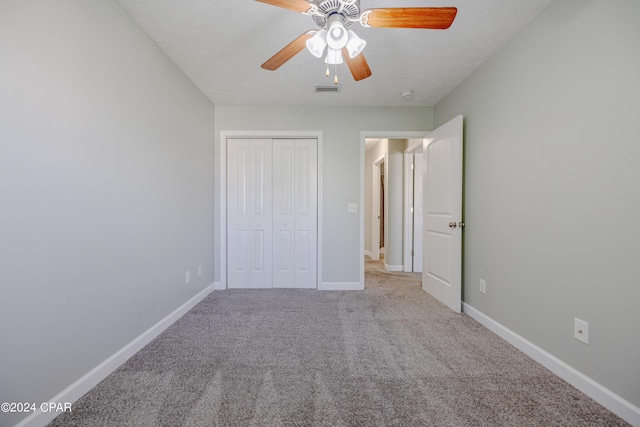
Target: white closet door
{"x": 295, "y": 181}
{"x": 306, "y": 213}
{"x": 283, "y": 213}
{"x": 272, "y": 213}
{"x": 249, "y": 213}
{"x": 238, "y": 219}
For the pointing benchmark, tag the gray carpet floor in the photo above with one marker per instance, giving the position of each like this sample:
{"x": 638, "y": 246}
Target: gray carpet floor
{"x": 388, "y": 356}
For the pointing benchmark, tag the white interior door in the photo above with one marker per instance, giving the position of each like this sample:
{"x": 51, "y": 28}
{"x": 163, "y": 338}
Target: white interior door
{"x": 306, "y": 213}
{"x": 295, "y": 218}
{"x": 249, "y": 213}
{"x": 418, "y": 212}
{"x": 442, "y": 268}
{"x": 283, "y": 213}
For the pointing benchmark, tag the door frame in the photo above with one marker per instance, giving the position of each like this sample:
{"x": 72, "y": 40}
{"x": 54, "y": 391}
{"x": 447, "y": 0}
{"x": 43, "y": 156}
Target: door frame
{"x": 414, "y": 147}
{"x": 222, "y": 176}
{"x": 375, "y": 207}
{"x": 376, "y": 135}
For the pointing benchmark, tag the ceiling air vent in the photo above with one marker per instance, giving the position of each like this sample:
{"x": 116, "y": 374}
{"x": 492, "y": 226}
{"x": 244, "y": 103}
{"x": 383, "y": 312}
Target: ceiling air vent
{"x": 327, "y": 88}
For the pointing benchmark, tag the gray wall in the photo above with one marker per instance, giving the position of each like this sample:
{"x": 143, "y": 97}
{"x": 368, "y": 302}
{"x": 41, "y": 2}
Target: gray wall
{"x": 341, "y": 129}
{"x": 552, "y": 149}
{"x": 106, "y": 191}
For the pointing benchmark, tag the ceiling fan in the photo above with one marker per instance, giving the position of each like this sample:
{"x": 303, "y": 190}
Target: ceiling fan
{"x": 335, "y": 17}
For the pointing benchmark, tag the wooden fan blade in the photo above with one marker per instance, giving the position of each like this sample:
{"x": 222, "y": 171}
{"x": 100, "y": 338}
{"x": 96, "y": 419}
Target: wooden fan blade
{"x": 287, "y": 52}
{"x": 358, "y": 66}
{"x": 295, "y": 5}
{"x": 434, "y": 18}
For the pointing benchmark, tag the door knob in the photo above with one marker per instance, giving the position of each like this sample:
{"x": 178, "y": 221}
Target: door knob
{"x": 452, "y": 225}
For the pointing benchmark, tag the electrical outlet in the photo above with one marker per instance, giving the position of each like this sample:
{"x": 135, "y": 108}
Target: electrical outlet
{"x": 199, "y": 270}
{"x": 187, "y": 278}
{"x": 581, "y": 330}
{"x": 483, "y": 286}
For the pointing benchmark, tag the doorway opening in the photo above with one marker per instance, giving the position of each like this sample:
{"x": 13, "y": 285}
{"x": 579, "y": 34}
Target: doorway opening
{"x": 383, "y": 197}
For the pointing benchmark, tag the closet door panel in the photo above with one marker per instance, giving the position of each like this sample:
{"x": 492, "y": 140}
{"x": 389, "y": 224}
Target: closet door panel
{"x": 283, "y": 213}
{"x": 260, "y": 207}
{"x": 306, "y": 213}
{"x": 238, "y": 215}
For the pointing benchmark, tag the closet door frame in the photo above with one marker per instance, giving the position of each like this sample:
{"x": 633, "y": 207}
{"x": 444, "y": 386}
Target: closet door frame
{"x": 222, "y": 191}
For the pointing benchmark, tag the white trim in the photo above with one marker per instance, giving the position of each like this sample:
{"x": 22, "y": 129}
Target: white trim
{"x": 616, "y": 404}
{"x": 218, "y": 286}
{"x": 407, "y": 243}
{"x": 415, "y": 145}
{"x": 407, "y": 204}
{"x": 382, "y": 135}
{"x": 89, "y": 380}
{"x": 222, "y": 167}
{"x": 341, "y": 286}
{"x": 361, "y": 214}
{"x": 368, "y": 253}
{"x": 393, "y": 267}
{"x": 375, "y": 206}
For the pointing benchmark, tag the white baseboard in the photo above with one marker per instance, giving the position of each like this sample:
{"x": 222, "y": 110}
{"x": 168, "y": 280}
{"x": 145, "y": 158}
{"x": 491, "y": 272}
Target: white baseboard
{"x": 341, "y": 286}
{"x": 616, "y": 404}
{"x": 393, "y": 267}
{"x": 76, "y": 390}
{"x": 218, "y": 286}
{"x": 368, "y": 253}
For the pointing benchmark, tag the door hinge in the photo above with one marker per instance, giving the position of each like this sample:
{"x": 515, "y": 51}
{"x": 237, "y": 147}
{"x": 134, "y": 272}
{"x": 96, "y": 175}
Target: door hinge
{"x": 413, "y": 166}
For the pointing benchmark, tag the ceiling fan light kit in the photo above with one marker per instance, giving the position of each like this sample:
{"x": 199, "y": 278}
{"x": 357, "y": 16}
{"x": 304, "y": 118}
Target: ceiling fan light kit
{"x": 334, "y": 57}
{"x": 317, "y": 43}
{"x": 355, "y": 45}
{"x": 337, "y": 34}
{"x": 334, "y": 17}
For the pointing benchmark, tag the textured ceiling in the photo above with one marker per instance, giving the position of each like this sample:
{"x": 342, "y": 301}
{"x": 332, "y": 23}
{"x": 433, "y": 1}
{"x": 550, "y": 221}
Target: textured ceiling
{"x": 220, "y": 45}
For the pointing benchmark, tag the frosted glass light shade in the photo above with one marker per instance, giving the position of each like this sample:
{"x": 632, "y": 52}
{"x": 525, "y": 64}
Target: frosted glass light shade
{"x": 317, "y": 43}
{"x": 337, "y": 35}
{"x": 355, "y": 45}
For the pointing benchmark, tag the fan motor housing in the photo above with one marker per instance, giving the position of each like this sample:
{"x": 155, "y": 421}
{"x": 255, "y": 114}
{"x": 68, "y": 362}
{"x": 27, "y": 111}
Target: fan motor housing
{"x": 350, "y": 10}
